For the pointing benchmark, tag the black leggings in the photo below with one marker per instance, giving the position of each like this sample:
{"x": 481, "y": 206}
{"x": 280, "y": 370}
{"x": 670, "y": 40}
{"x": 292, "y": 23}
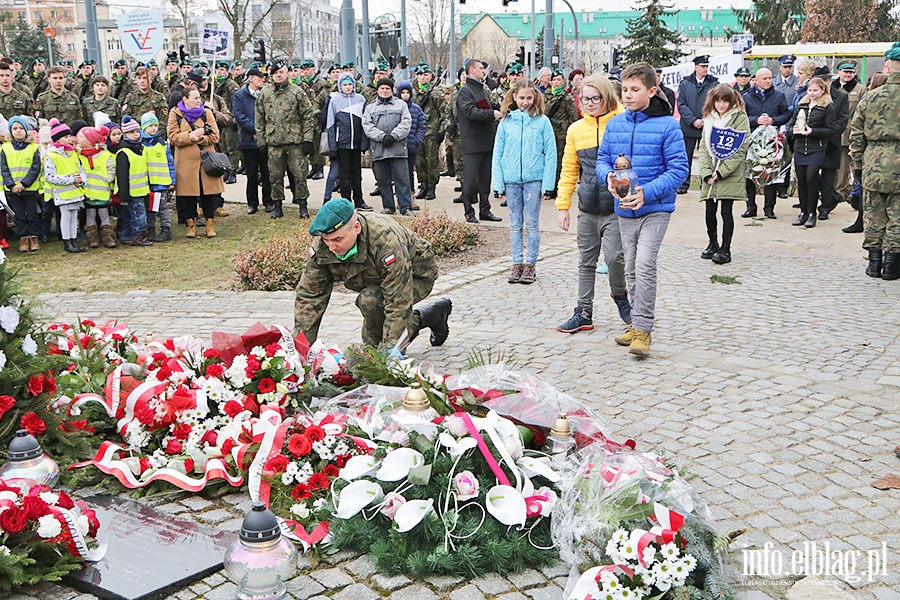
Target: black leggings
{"x": 727, "y": 223}
{"x": 809, "y": 181}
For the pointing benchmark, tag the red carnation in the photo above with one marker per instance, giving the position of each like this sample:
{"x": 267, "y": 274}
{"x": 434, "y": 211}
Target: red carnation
{"x": 315, "y": 433}
{"x": 318, "y": 481}
{"x": 210, "y": 437}
{"x": 64, "y": 500}
{"x": 144, "y": 414}
{"x": 173, "y": 447}
{"x": 34, "y": 507}
{"x": 211, "y": 353}
{"x": 50, "y": 384}
{"x": 278, "y": 463}
{"x": 331, "y": 470}
{"x": 144, "y": 464}
{"x": 189, "y": 465}
{"x": 36, "y": 384}
{"x": 4, "y": 487}
{"x": 33, "y": 423}
{"x": 272, "y": 348}
{"x": 232, "y": 408}
{"x": 266, "y": 385}
{"x": 13, "y": 520}
{"x": 53, "y": 349}
{"x": 88, "y": 323}
{"x": 215, "y": 370}
{"x": 85, "y": 341}
{"x": 181, "y": 431}
{"x": 253, "y": 364}
{"x": 341, "y": 460}
{"x": 163, "y": 373}
{"x": 117, "y": 337}
{"x": 6, "y": 403}
{"x": 227, "y": 446}
{"x": 343, "y": 378}
{"x": 299, "y": 445}
{"x": 300, "y": 492}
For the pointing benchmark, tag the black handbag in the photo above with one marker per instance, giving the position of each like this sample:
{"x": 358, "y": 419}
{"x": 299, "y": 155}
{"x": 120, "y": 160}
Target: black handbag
{"x": 215, "y": 164}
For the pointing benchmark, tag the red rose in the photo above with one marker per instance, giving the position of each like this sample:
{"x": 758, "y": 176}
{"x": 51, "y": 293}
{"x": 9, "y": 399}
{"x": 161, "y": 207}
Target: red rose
{"x": 211, "y": 353}
{"x": 331, "y": 470}
{"x": 232, "y": 408}
{"x": 34, "y": 507}
{"x": 341, "y": 460}
{"x": 53, "y": 349}
{"x": 300, "y": 492}
{"x": 64, "y": 500}
{"x": 228, "y": 446}
{"x": 272, "y": 348}
{"x": 6, "y": 403}
{"x": 210, "y": 437}
{"x": 343, "y": 378}
{"x": 181, "y": 431}
{"x": 50, "y": 384}
{"x": 215, "y": 370}
{"x": 33, "y": 423}
{"x": 299, "y": 445}
{"x": 13, "y": 520}
{"x": 318, "y": 481}
{"x": 173, "y": 447}
{"x": 93, "y": 521}
{"x": 144, "y": 464}
{"x": 315, "y": 433}
{"x": 189, "y": 465}
{"x": 278, "y": 463}
{"x": 36, "y": 384}
{"x": 266, "y": 385}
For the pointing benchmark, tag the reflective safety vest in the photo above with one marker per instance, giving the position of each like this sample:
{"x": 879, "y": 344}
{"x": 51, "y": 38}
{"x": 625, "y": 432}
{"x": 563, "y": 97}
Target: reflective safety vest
{"x": 98, "y": 187}
{"x": 157, "y": 165}
{"x": 19, "y": 163}
{"x": 65, "y": 165}
{"x": 138, "y": 181}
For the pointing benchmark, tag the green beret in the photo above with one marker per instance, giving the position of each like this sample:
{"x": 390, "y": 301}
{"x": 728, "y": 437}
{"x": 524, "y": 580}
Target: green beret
{"x": 237, "y": 63}
{"x": 120, "y": 62}
{"x": 223, "y": 64}
{"x": 39, "y": 60}
{"x": 152, "y": 63}
{"x": 294, "y": 65}
{"x": 743, "y": 71}
{"x": 894, "y": 52}
{"x": 256, "y": 64}
{"x": 201, "y": 63}
{"x": 334, "y": 67}
{"x": 383, "y": 65}
{"x": 333, "y": 215}
{"x": 515, "y": 69}
{"x": 349, "y": 65}
{"x": 307, "y": 64}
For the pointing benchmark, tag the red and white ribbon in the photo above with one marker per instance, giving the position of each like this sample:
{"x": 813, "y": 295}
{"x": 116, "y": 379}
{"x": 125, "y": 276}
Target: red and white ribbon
{"x": 586, "y": 587}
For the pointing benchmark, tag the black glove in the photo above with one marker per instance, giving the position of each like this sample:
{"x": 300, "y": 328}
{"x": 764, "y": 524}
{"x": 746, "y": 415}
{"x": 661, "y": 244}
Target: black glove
{"x": 857, "y": 175}
{"x": 388, "y": 141}
{"x": 307, "y": 147}
{"x": 453, "y": 129}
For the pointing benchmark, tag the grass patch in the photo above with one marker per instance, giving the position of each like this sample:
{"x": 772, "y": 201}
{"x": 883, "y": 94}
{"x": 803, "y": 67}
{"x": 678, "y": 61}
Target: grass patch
{"x": 726, "y": 279}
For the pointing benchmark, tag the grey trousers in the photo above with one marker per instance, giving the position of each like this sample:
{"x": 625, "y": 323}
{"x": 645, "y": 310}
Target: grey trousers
{"x": 641, "y": 239}
{"x": 596, "y": 233}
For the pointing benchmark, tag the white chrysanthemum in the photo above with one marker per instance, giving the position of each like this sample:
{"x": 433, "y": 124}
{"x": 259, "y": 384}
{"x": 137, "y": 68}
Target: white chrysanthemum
{"x": 49, "y": 497}
{"x": 628, "y": 550}
{"x": 259, "y": 352}
{"x": 649, "y": 555}
{"x": 612, "y": 551}
{"x": 620, "y": 535}
{"x": 49, "y": 527}
{"x": 662, "y": 576}
{"x": 4, "y": 551}
{"x": 136, "y": 435}
{"x": 301, "y": 510}
{"x": 84, "y": 525}
{"x": 236, "y": 372}
{"x": 689, "y": 561}
{"x": 158, "y": 459}
{"x": 680, "y": 571}
{"x": 2, "y": 360}
{"x": 29, "y": 346}
{"x": 609, "y": 581}
{"x": 287, "y": 479}
{"x": 319, "y": 503}
{"x": 292, "y": 468}
{"x": 9, "y": 318}
{"x": 670, "y": 551}
{"x": 323, "y": 450}
{"x": 305, "y": 472}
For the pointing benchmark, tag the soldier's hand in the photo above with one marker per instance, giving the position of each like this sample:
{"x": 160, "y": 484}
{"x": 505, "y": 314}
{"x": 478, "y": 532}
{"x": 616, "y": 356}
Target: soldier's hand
{"x": 307, "y": 148}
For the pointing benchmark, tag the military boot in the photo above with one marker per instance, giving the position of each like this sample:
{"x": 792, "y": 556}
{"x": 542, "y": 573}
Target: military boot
{"x": 429, "y": 192}
{"x": 435, "y": 316}
{"x": 890, "y": 265}
{"x": 93, "y": 236}
{"x": 874, "y": 267}
{"x": 304, "y": 209}
{"x": 24, "y": 244}
{"x": 277, "y": 213}
{"x": 423, "y": 189}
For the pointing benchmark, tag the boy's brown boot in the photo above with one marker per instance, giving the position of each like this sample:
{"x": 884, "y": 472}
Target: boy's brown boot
{"x": 191, "y": 228}
{"x": 210, "y": 228}
{"x": 33, "y": 243}
{"x": 107, "y": 236}
{"x": 626, "y": 338}
{"x": 92, "y": 235}
{"x": 528, "y": 274}
{"x": 24, "y": 243}
{"x": 640, "y": 345}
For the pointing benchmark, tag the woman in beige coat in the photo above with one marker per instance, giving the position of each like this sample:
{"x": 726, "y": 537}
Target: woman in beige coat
{"x": 193, "y": 128}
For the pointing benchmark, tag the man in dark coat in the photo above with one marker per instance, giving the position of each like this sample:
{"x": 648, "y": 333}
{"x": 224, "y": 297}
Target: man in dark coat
{"x": 692, "y": 93}
{"x": 668, "y": 92}
{"x": 833, "y": 151}
{"x": 765, "y": 106}
{"x": 477, "y": 125}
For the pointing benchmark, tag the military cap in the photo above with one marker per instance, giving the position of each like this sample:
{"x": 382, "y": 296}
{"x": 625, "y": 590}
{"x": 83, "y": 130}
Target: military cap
{"x": 423, "y": 67}
{"x": 333, "y": 215}
{"x": 383, "y": 65}
{"x": 121, "y": 62}
{"x": 742, "y": 72}
{"x": 349, "y": 65}
{"x": 87, "y": 63}
{"x": 515, "y": 69}
{"x": 69, "y": 62}
{"x": 201, "y": 63}
{"x": 60, "y": 63}
{"x": 787, "y": 60}
{"x": 171, "y": 57}
{"x": 98, "y": 78}
{"x": 334, "y": 67}
{"x": 237, "y": 63}
{"x": 223, "y": 64}
{"x": 294, "y": 65}
{"x": 847, "y": 65}
{"x": 141, "y": 64}
{"x": 39, "y": 60}
{"x": 701, "y": 60}
{"x": 307, "y": 64}
{"x": 277, "y": 65}
{"x": 256, "y": 64}
{"x": 17, "y": 60}
{"x": 152, "y": 63}
{"x": 186, "y": 61}
{"x": 893, "y": 53}
{"x": 558, "y": 73}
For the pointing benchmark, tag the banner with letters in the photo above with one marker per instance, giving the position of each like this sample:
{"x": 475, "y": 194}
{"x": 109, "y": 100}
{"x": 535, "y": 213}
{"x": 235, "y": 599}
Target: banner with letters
{"x": 141, "y": 32}
{"x": 722, "y": 67}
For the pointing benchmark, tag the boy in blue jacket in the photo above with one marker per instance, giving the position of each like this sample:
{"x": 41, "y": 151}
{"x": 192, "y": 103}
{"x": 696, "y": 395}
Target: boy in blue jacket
{"x": 652, "y": 140}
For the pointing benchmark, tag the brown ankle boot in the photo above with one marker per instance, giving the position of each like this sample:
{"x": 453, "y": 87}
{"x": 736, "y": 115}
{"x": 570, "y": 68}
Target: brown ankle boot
{"x": 92, "y": 235}
{"x": 191, "y": 228}
{"x": 24, "y": 243}
{"x": 33, "y": 243}
{"x": 107, "y": 237}
{"x": 210, "y": 228}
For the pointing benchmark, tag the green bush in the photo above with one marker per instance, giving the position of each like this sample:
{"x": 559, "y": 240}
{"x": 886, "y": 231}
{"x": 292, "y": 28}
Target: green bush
{"x": 445, "y": 235}
{"x": 273, "y": 265}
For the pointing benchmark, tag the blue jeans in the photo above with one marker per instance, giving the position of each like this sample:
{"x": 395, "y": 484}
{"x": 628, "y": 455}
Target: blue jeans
{"x": 333, "y": 173}
{"x": 524, "y": 202}
{"x": 135, "y": 218}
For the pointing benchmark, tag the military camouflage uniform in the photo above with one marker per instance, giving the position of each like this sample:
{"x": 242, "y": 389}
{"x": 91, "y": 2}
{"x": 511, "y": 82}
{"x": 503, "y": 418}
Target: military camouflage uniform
{"x": 561, "y": 110}
{"x": 15, "y": 103}
{"x": 38, "y": 83}
{"x": 453, "y": 135}
{"x": 428, "y": 166}
{"x": 120, "y": 88}
{"x": 159, "y": 84}
{"x": 21, "y": 82}
{"x": 64, "y": 106}
{"x": 108, "y": 105}
{"x": 284, "y": 119}
{"x": 79, "y": 85}
{"x": 875, "y": 143}
{"x": 229, "y": 134}
{"x": 392, "y": 272}
{"x": 137, "y": 103}
{"x": 317, "y": 91}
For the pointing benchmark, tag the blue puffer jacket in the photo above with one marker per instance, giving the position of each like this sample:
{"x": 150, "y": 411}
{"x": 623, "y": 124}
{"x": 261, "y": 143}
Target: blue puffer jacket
{"x": 653, "y": 141}
{"x": 417, "y": 132}
{"x": 524, "y": 150}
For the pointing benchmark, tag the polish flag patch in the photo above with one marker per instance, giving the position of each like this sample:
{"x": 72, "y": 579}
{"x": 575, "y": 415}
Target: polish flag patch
{"x": 311, "y": 252}
{"x": 390, "y": 259}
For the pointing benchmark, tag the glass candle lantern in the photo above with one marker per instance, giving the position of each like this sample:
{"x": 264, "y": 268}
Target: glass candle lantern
{"x": 28, "y": 465}
{"x": 261, "y": 561}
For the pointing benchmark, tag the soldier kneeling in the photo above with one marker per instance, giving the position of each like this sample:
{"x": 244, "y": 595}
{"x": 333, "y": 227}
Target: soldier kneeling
{"x": 381, "y": 259}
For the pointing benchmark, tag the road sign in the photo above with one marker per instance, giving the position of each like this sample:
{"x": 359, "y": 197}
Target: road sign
{"x": 49, "y": 32}
{"x": 141, "y": 32}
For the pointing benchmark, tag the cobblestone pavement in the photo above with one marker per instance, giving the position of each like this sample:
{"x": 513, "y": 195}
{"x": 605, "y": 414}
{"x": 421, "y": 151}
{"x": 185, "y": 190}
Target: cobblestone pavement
{"x": 780, "y": 394}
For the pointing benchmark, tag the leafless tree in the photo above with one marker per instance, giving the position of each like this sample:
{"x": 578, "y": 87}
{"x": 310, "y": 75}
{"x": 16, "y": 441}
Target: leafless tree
{"x": 247, "y": 20}
{"x": 429, "y": 32}
{"x": 185, "y": 10}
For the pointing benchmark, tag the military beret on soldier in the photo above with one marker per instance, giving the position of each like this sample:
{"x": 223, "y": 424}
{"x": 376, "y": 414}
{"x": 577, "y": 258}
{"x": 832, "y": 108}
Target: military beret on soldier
{"x": 87, "y": 63}
{"x": 277, "y": 65}
{"x": 172, "y": 57}
{"x": 201, "y": 63}
{"x": 69, "y": 62}
{"x": 893, "y": 53}
{"x": 223, "y": 64}
{"x": 333, "y": 215}
{"x": 152, "y": 63}
{"x": 294, "y": 65}
{"x": 558, "y": 73}
{"x": 256, "y": 64}
{"x": 60, "y": 63}
{"x": 98, "y": 78}
{"x": 334, "y": 67}
{"x": 349, "y": 65}
{"x": 307, "y": 64}
{"x": 423, "y": 67}
{"x": 515, "y": 69}
{"x": 120, "y": 63}
{"x": 141, "y": 64}
{"x": 186, "y": 62}
{"x": 383, "y": 65}
{"x": 39, "y": 60}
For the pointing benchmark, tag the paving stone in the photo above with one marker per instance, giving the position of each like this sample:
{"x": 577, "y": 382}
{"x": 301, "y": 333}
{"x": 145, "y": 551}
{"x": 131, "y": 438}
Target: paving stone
{"x": 226, "y": 591}
{"x": 217, "y": 515}
{"x": 357, "y": 591}
{"x": 303, "y": 587}
{"x": 468, "y": 592}
{"x": 525, "y": 579}
{"x": 332, "y": 579}
{"x": 491, "y": 584}
{"x": 389, "y": 584}
{"x": 550, "y": 592}
{"x": 414, "y": 592}
{"x": 361, "y": 568}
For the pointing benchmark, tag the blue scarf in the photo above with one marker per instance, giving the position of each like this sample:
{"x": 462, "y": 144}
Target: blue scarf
{"x": 191, "y": 114}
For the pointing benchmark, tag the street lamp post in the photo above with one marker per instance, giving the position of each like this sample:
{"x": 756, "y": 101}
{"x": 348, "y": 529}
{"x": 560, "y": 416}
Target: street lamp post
{"x": 348, "y": 31}
{"x": 548, "y": 33}
{"x": 404, "y": 51}
{"x": 575, "y": 21}
{"x": 452, "y": 61}
{"x": 366, "y": 44}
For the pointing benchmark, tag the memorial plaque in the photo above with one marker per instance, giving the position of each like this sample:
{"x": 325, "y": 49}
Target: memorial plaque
{"x": 149, "y": 554}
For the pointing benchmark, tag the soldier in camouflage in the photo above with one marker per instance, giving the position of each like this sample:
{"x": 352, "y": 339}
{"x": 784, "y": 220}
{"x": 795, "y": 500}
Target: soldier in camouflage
{"x": 143, "y": 99}
{"x": 37, "y": 80}
{"x": 173, "y": 73}
{"x": 428, "y": 161}
{"x": 157, "y": 81}
{"x": 12, "y": 101}
{"x": 454, "y": 148}
{"x": 100, "y": 101}
{"x": 284, "y": 124}
{"x": 58, "y": 102}
{"x": 316, "y": 90}
{"x": 560, "y": 108}
{"x": 382, "y": 70}
{"x": 875, "y": 148}
{"x": 21, "y": 82}
{"x": 80, "y": 83}
{"x": 226, "y": 88}
{"x": 121, "y": 82}
{"x": 381, "y": 259}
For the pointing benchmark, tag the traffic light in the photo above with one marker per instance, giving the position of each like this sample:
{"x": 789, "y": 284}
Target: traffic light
{"x": 181, "y": 53}
{"x": 260, "y": 51}
{"x": 506, "y": 2}
{"x": 520, "y": 55}
{"x": 616, "y": 56}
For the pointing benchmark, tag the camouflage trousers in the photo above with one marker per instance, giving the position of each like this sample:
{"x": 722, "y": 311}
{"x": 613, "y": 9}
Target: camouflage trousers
{"x": 317, "y": 160}
{"x": 228, "y": 144}
{"x": 843, "y": 184}
{"x": 454, "y": 149}
{"x": 428, "y": 163}
{"x": 881, "y": 221}
{"x": 289, "y": 157}
{"x": 370, "y": 302}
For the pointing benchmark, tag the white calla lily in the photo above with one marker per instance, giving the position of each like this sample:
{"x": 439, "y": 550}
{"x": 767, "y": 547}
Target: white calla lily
{"x": 456, "y": 447}
{"x": 506, "y": 505}
{"x": 358, "y": 466}
{"x": 397, "y": 463}
{"x": 536, "y": 466}
{"x": 411, "y": 513}
{"x": 356, "y": 497}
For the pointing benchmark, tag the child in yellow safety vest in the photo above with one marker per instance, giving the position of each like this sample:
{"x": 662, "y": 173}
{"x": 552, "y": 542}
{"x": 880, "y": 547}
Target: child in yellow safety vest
{"x": 20, "y": 164}
{"x": 64, "y": 182}
{"x": 100, "y": 166}
{"x": 133, "y": 183}
{"x": 161, "y": 170}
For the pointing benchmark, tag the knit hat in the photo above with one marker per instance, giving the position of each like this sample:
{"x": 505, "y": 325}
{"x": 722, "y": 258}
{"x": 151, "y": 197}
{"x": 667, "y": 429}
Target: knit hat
{"x": 346, "y": 77}
{"x": 129, "y": 124}
{"x": 77, "y": 126}
{"x": 385, "y": 81}
{"x": 24, "y": 122}
{"x": 58, "y": 130}
{"x": 148, "y": 119}
{"x": 94, "y": 135}
{"x": 44, "y": 135}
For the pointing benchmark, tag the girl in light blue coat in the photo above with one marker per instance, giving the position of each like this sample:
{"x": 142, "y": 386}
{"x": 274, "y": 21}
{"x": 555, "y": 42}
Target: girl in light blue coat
{"x": 524, "y": 169}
